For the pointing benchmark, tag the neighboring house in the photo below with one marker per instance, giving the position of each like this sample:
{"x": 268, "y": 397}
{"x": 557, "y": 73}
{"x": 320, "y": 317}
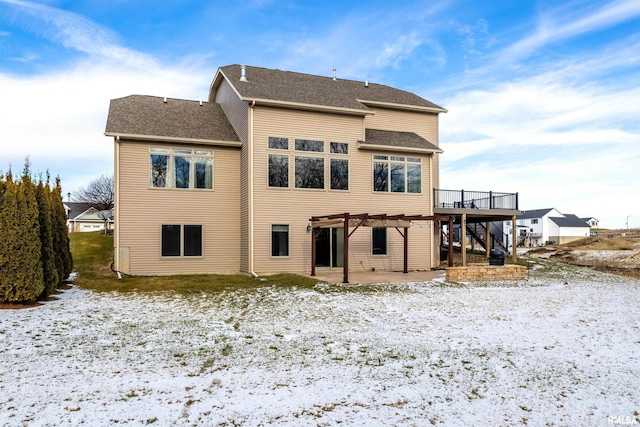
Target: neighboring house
{"x": 548, "y": 226}
{"x": 83, "y": 217}
{"x": 259, "y": 178}
{"x": 593, "y": 222}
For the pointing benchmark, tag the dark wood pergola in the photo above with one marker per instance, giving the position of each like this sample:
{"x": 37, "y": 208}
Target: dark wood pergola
{"x": 355, "y": 221}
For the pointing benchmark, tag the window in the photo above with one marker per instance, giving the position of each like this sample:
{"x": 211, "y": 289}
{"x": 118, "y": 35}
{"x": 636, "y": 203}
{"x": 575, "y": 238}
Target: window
{"x": 534, "y": 221}
{"x": 278, "y": 170}
{"x": 339, "y": 174}
{"x": 309, "y": 163}
{"x": 339, "y": 166}
{"x": 181, "y": 240}
{"x": 379, "y": 241}
{"x": 397, "y": 174}
{"x": 279, "y": 240}
{"x": 309, "y": 172}
{"x": 181, "y": 168}
{"x": 309, "y": 145}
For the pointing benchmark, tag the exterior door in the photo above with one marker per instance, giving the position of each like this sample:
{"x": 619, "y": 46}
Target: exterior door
{"x": 329, "y": 247}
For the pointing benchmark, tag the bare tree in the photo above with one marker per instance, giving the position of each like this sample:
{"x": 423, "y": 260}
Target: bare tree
{"x": 99, "y": 193}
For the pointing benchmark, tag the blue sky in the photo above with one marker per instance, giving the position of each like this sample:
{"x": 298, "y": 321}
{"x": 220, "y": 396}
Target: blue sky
{"x": 543, "y": 96}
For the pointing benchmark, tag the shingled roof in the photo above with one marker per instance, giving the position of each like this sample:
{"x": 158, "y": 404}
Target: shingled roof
{"x": 298, "y": 89}
{"x": 410, "y": 141}
{"x": 141, "y": 116}
{"x": 569, "y": 220}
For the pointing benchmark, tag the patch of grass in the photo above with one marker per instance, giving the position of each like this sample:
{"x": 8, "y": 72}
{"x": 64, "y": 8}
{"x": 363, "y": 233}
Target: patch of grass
{"x": 93, "y": 255}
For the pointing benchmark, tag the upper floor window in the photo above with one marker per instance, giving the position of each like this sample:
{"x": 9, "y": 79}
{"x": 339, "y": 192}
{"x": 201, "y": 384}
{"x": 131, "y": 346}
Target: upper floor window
{"x": 309, "y": 160}
{"x": 181, "y": 168}
{"x": 534, "y": 221}
{"x": 397, "y": 174}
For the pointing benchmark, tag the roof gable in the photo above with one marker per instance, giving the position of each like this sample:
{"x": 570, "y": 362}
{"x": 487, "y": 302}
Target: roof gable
{"x": 299, "y": 90}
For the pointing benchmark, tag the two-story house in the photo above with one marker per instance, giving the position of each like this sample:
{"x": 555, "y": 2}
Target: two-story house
{"x": 541, "y": 226}
{"x": 258, "y": 179}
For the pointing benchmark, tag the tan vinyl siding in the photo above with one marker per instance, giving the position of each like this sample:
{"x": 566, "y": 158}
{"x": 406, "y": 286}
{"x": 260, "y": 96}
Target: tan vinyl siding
{"x": 424, "y": 124}
{"x": 295, "y": 206}
{"x": 234, "y": 108}
{"x": 143, "y": 210}
{"x": 236, "y": 111}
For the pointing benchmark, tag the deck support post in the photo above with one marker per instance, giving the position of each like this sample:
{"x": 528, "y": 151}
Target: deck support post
{"x": 487, "y": 238}
{"x": 463, "y": 238}
{"x": 450, "y": 254}
{"x": 514, "y": 238}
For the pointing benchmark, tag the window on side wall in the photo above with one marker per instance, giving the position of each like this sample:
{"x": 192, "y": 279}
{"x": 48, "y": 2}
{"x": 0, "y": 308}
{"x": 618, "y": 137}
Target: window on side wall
{"x": 180, "y": 168}
{"x": 279, "y": 240}
{"x": 181, "y": 240}
{"x": 379, "y": 240}
{"x": 397, "y": 174}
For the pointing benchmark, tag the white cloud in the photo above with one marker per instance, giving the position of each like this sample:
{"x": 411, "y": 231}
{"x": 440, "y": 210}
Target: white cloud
{"x": 570, "y": 20}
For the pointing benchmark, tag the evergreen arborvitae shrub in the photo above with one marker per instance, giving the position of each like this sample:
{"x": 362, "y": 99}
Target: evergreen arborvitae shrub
{"x": 48, "y": 256}
{"x": 21, "y": 274}
{"x": 64, "y": 260}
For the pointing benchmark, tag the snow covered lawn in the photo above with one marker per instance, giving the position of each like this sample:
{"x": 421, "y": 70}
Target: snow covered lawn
{"x": 532, "y": 353}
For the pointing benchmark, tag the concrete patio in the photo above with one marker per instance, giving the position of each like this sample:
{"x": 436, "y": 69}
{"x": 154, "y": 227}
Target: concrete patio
{"x": 367, "y": 277}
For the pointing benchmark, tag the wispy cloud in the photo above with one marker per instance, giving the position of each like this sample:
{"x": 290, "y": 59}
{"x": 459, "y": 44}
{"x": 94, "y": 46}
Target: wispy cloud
{"x": 74, "y": 31}
{"x": 571, "y": 20}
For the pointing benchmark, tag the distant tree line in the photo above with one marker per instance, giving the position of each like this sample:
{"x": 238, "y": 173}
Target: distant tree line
{"x": 34, "y": 243}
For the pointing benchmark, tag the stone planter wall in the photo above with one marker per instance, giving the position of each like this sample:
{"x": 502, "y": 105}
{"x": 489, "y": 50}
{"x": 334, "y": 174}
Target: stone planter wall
{"x": 477, "y": 273}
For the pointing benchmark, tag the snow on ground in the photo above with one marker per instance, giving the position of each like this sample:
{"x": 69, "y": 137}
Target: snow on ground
{"x": 539, "y": 352}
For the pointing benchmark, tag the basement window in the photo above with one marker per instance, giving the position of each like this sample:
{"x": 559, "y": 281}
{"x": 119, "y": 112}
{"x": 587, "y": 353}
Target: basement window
{"x": 181, "y": 240}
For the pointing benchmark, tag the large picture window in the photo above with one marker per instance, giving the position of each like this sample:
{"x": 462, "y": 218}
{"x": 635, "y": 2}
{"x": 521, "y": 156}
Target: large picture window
{"x": 397, "y": 174}
{"x": 279, "y": 240}
{"x": 181, "y": 168}
{"x": 309, "y": 172}
{"x": 181, "y": 240}
{"x": 309, "y": 159}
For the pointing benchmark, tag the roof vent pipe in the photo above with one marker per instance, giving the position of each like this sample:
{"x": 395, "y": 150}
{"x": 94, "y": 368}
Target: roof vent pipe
{"x": 334, "y": 74}
{"x": 366, "y": 83}
{"x": 243, "y": 73}
{"x": 165, "y": 100}
{"x": 201, "y": 103}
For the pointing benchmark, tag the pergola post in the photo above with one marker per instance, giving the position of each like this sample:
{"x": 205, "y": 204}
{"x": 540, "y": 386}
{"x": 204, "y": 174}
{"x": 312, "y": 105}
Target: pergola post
{"x": 406, "y": 250}
{"x": 345, "y": 267}
{"x": 313, "y": 252}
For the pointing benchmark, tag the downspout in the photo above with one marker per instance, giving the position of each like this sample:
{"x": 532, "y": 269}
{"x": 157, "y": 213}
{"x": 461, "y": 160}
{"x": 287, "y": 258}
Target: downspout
{"x": 250, "y": 192}
{"x": 434, "y": 261}
{"x": 116, "y": 227}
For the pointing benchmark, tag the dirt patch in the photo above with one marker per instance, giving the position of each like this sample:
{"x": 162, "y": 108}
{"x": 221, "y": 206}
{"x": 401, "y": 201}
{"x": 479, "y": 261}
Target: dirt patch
{"x": 615, "y": 252}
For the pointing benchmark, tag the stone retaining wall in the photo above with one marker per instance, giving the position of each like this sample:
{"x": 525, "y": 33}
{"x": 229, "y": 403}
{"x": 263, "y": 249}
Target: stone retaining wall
{"x": 476, "y": 273}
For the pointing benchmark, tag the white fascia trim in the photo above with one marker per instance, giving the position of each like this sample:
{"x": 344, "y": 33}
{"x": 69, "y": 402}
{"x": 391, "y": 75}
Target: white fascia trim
{"x": 375, "y": 147}
{"x": 311, "y": 107}
{"x": 402, "y": 106}
{"x": 157, "y": 138}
